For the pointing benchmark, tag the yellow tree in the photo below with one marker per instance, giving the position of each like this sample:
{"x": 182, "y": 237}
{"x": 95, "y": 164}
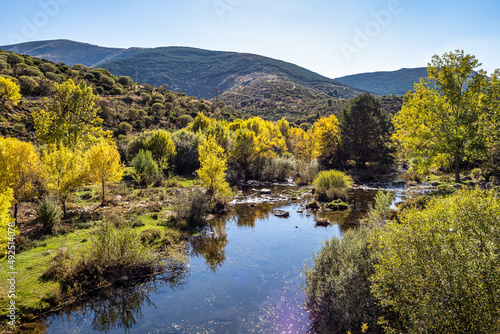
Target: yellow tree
{"x": 20, "y": 169}
{"x": 66, "y": 171}
{"x": 213, "y": 167}
{"x": 302, "y": 144}
{"x": 6, "y": 198}
{"x": 104, "y": 165}
{"x": 326, "y": 133}
{"x": 71, "y": 119}
{"x": 9, "y": 91}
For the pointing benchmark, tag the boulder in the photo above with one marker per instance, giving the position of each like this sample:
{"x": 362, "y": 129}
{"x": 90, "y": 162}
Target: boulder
{"x": 435, "y": 184}
{"x": 312, "y": 205}
{"x": 281, "y": 213}
{"x": 265, "y": 191}
{"x": 322, "y": 222}
{"x": 337, "y": 205}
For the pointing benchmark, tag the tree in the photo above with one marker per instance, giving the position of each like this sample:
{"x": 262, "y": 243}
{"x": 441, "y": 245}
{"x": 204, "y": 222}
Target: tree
{"x": 20, "y": 169}
{"x": 186, "y": 147}
{"x": 66, "y": 171}
{"x": 439, "y": 121}
{"x": 244, "y": 149}
{"x": 437, "y": 269}
{"x": 326, "y": 133}
{"x": 365, "y": 130}
{"x": 145, "y": 168}
{"x": 490, "y": 123}
{"x": 162, "y": 147}
{"x": 71, "y": 118}
{"x": 9, "y": 91}
{"x": 213, "y": 167}
{"x": 6, "y": 198}
{"x": 104, "y": 165}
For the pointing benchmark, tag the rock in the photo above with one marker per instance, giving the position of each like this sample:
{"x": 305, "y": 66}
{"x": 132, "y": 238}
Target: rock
{"x": 265, "y": 191}
{"x": 312, "y": 205}
{"x": 322, "y": 222}
{"x": 466, "y": 178}
{"x": 435, "y": 184}
{"x": 337, "y": 205}
{"x": 300, "y": 211}
{"x": 457, "y": 186}
{"x": 281, "y": 213}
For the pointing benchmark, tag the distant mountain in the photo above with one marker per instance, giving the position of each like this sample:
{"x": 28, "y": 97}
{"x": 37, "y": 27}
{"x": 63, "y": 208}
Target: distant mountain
{"x": 70, "y": 52}
{"x": 194, "y": 71}
{"x": 385, "y": 83}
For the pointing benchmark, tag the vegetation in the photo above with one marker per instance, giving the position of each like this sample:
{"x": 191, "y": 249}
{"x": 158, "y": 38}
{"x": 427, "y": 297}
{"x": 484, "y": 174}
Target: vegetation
{"x": 440, "y": 121}
{"x": 6, "y": 198}
{"x": 366, "y": 131}
{"x": 213, "y": 168}
{"x": 337, "y": 287}
{"x": 331, "y": 185}
{"x": 436, "y": 268}
{"x": 9, "y": 92}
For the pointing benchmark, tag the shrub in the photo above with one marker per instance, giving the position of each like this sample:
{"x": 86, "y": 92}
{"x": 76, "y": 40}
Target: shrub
{"x": 280, "y": 169}
{"x": 125, "y": 127}
{"x": 306, "y": 172}
{"x": 412, "y": 175}
{"x": 184, "y": 121}
{"x": 145, "y": 168}
{"x": 437, "y": 269}
{"x": 337, "y": 205}
{"x": 337, "y": 286}
{"x": 190, "y": 208}
{"x": 49, "y": 214}
{"x": 381, "y": 211}
{"x": 331, "y": 185}
{"x": 187, "y": 157}
{"x": 476, "y": 174}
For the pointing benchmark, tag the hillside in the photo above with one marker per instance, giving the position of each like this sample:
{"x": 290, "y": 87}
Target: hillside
{"x": 386, "y": 83}
{"x": 194, "y": 71}
{"x": 70, "y": 52}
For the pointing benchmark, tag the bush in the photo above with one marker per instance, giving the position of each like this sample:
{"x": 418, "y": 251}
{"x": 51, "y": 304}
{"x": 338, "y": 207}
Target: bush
{"x": 306, "y": 172}
{"x": 412, "y": 175}
{"x": 191, "y": 208}
{"x": 187, "y": 157}
{"x": 331, "y": 185}
{"x": 381, "y": 211}
{"x": 437, "y": 269}
{"x": 476, "y": 174}
{"x": 279, "y": 169}
{"x": 125, "y": 127}
{"x": 183, "y": 120}
{"x": 146, "y": 170}
{"x": 337, "y": 286}
{"x": 49, "y": 214}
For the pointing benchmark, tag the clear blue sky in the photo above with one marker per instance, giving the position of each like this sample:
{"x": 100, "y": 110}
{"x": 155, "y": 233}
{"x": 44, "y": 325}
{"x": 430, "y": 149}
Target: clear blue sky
{"x": 331, "y": 37}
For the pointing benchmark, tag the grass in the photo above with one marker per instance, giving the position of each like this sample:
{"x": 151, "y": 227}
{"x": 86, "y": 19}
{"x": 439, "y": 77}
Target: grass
{"x": 33, "y": 294}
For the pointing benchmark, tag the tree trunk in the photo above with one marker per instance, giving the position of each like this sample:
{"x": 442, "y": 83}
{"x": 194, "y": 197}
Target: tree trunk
{"x": 64, "y": 207}
{"x": 457, "y": 168}
{"x": 15, "y": 211}
{"x": 102, "y": 193}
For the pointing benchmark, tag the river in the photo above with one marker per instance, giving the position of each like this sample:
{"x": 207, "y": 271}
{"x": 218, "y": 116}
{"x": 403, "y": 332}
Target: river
{"x": 244, "y": 276}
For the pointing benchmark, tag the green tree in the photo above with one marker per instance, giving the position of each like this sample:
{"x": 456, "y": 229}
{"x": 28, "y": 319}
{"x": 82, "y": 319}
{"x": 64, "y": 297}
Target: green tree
{"x": 437, "y": 268}
{"x": 439, "y": 121}
{"x": 365, "y": 128}
{"x": 71, "y": 118}
{"x": 9, "y": 91}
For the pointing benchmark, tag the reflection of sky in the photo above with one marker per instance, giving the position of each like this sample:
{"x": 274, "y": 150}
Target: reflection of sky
{"x": 255, "y": 290}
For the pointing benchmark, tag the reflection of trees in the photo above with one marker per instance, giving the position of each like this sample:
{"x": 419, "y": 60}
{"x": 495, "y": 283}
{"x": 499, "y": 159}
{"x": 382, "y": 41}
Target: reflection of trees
{"x": 211, "y": 244}
{"x": 248, "y": 215}
{"x": 121, "y": 307}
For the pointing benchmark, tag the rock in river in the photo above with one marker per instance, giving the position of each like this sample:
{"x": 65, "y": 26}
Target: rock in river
{"x": 265, "y": 191}
{"x": 281, "y": 213}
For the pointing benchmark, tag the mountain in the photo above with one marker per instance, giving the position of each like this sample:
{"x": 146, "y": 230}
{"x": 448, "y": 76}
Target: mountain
{"x": 70, "y": 52}
{"x": 385, "y": 83}
{"x": 194, "y": 71}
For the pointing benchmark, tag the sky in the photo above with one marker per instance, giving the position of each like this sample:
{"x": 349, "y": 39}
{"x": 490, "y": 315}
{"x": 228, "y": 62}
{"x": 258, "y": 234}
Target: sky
{"x": 331, "y": 37}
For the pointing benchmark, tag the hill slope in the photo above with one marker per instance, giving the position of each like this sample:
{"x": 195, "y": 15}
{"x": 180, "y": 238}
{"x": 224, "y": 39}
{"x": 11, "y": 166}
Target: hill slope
{"x": 195, "y": 71}
{"x": 386, "y": 83}
{"x": 70, "y": 52}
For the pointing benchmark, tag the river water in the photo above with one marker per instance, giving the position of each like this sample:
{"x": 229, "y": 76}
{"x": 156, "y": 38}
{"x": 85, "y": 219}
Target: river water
{"x": 244, "y": 276}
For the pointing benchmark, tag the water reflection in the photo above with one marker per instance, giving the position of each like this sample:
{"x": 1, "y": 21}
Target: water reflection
{"x": 248, "y": 215}
{"x": 118, "y": 308}
{"x": 211, "y": 243}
